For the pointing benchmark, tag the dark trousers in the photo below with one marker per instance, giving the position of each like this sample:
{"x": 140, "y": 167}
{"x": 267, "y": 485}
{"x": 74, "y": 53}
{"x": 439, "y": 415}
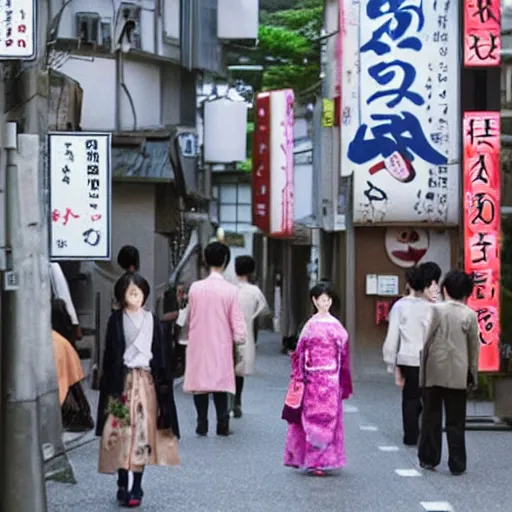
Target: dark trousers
{"x": 221, "y": 406}
{"x": 239, "y": 388}
{"x": 411, "y": 404}
{"x": 431, "y": 438}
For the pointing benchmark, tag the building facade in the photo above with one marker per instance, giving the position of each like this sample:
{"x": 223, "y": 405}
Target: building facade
{"x": 137, "y": 65}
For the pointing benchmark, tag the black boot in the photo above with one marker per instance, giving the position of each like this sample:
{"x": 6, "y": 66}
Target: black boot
{"x": 223, "y": 428}
{"x": 122, "y": 486}
{"x": 202, "y": 428}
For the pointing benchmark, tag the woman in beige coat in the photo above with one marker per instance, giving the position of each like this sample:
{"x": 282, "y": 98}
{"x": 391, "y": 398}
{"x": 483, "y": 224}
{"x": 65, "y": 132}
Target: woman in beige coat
{"x": 253, "y": 304}
{"x": 449, "y": 365}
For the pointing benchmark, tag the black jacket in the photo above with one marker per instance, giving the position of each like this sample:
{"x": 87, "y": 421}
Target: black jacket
{"x": 114, "y": 372}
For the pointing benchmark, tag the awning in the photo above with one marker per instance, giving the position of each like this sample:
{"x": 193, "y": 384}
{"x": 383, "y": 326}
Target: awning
{"x": 142, "y": 160}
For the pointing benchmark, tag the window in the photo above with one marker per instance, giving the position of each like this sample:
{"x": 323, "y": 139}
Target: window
{"x": 235, "y": 206}
{"x": 87, "y": 27}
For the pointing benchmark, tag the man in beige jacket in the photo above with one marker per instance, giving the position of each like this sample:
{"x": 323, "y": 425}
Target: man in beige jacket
{"x": 449, "y": 365}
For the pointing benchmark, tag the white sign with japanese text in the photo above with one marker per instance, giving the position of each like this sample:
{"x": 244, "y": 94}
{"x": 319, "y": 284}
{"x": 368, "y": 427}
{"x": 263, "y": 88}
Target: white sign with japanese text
{"x": 400, "y": 118}
{"x": 17, "y": 30}
{"x": 80, "y": 195}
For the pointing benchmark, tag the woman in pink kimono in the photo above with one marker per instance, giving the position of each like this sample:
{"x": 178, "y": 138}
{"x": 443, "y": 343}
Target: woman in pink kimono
{"x": 320, "y": 381}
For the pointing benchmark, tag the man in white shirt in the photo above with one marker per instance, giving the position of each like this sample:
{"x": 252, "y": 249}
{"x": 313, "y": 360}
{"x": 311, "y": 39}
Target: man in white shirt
{"x": 408, "y": 324}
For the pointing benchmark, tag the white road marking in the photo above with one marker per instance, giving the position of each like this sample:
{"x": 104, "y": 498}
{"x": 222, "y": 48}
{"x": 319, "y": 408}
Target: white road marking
{"x": 350, "y": 408}
{"x": 407, "y": 472}
{"x": 369, "y": 428}
{"x": 389, "y": 448}
{"x": 436, "y": 506}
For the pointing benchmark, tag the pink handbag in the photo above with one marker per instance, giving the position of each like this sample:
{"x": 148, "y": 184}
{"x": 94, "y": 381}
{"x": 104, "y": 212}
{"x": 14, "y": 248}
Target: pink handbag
{"x": 292, "y": 409}
{"x": 295, "y": 394}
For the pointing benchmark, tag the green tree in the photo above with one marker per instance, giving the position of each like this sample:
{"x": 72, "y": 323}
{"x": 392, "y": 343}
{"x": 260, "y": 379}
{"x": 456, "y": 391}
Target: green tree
{"x": 288, "y": 48}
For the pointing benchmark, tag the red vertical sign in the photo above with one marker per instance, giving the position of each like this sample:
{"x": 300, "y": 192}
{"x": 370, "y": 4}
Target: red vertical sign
{"x": 261, "y": 164}
{"x": 482, "y": 183}
{"x": 482, "y": 33}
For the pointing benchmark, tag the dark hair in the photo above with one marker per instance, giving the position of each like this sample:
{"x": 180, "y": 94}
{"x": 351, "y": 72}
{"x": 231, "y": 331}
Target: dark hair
{"x": 321, "y": 289}
{"x": 245, "y": 265}
{"x": 415, "y": 279}
{"x": 458, "y": 285}
{"x": 217, "y": 254}
{"x": 431, "y": 272}
{"x": 129, "y": 257}
{"x": 61, "y": 321}
{"x": 124, "y": 282}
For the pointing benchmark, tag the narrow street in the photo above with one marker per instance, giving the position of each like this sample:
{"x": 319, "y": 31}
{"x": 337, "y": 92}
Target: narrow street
{"x": 245, "y": 472}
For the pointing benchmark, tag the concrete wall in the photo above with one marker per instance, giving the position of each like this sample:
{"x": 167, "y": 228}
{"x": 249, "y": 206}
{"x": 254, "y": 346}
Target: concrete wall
{"x": 168, "y": 26}
{"x": 153, "y": 93}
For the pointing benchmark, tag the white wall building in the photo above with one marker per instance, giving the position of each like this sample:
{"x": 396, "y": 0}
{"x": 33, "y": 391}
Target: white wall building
{"x": 137, "y": 64}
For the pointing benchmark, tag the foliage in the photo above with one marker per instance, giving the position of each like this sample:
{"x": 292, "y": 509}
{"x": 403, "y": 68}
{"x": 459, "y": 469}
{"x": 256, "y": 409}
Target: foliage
{"x": 289, "y": 40}
{"x": 118, "y": 408}
{"x": 288, "y": 49}
{"x": 277, "y": 5}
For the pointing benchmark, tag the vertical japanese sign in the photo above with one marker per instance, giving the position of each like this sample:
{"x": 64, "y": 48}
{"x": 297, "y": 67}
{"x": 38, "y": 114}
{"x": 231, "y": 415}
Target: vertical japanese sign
{"x": 80, "y": 196}
{"x": 17, "y": 29}
{"x": 482, "y": 183}
{"x": 261, "y": 164}
{"x": 281, "y": 162}
{"x": 482, "y": 33}
{"x": 273, "y": 163}
{"x": 400, "y": 117}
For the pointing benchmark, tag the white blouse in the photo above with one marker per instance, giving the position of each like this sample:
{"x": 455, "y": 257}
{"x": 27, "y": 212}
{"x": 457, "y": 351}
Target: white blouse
{"x": 138, "y": 332}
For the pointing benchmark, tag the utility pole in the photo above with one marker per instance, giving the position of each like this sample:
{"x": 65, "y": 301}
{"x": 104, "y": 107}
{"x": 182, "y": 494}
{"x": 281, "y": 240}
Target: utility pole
{"x": 31, "y": 436}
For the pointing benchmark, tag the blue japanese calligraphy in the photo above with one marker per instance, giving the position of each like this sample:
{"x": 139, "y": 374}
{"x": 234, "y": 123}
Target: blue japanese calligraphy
{"x": 397, "y": 133}
{"x": 394, "y": 28}
{"x": 383, "y": 75}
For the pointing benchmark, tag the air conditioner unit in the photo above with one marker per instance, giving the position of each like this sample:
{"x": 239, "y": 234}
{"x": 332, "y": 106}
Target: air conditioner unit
{"x": 127, "y": 30}
{"x": 87, "y": 27}
{"x": 106, "y": 34}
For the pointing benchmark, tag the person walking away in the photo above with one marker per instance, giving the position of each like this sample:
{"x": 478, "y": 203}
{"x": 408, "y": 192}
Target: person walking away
{"x": 407, "y": 329}
{"x": 253, "y": 304}
{"x": 128, "y": 258}
{"x": 320, "y": 381}
{"x": 137, "y": 418}
{"x": 215, "y": 322}
{"x": 432, "y": 275}
{"x": 75, "y": 408}
{"x": 449, "y": 366}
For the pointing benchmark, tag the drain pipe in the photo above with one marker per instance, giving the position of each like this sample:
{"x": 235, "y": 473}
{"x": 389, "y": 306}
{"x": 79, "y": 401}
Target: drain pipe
{"x": 119, "y": 79}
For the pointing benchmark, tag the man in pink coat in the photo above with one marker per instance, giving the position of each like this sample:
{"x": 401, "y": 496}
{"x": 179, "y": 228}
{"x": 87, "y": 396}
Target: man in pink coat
{"x": 215, "y": 323}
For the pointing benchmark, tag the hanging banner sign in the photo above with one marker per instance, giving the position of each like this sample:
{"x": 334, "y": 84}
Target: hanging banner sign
{"x": 273, "y": 163}
{"x": 261, "y": 164}
{"x": 80, "y": 196}
{"x": 400, "y": 118}
{"x": 482, "y": 184}
{"x": 482, "y": 33}
{"x": 18, "y": 30}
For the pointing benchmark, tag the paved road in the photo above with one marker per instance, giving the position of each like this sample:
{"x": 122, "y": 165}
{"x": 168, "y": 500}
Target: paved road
{"x": 244, "y": 473}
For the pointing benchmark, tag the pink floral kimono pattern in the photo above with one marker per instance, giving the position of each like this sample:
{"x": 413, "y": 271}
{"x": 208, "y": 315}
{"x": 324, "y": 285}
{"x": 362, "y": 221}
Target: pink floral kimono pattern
{"x": 321, "y": 361}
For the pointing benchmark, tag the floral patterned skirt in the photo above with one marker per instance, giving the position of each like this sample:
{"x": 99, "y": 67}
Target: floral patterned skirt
{"x": 137, "y": 444}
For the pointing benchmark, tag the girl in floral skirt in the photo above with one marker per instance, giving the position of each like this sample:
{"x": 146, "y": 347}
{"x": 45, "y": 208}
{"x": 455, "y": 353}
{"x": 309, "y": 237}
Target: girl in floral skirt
{"x": 137, "y": 417}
